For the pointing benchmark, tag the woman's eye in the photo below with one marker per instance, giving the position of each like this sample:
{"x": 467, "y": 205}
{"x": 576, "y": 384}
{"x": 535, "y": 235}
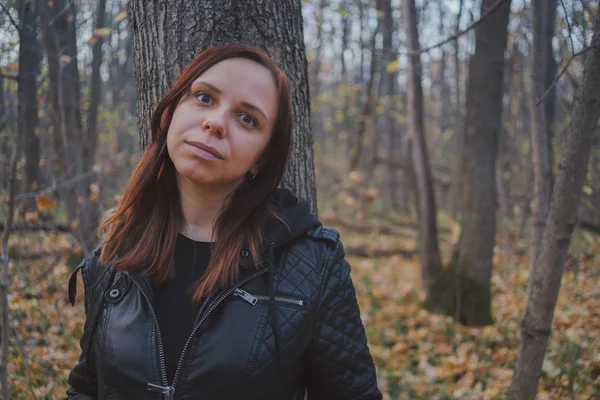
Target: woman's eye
{"x": 249, "y": 120}
{"x": 204, "y": 97}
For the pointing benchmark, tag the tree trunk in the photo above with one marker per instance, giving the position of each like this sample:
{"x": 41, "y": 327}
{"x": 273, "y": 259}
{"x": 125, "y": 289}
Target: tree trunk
{"x": 95, "y": 86}
{"x": 64, "y": 92}
{"x": 459, "y": 131}
{"x": 545, "y": 282}
{"x": 90, "y": 211}
{"x": 431, "y": 266}
{"x": 540, "y": 138}
{"x": 3, "y": 137}
{"x": 315, "y": 88}
{"x": 464, "y": 292}
{"x": 368, "y": 105}
{"x": 388, "y": 90}
{"x": 52, "y": 45}
{"x": 27, "y": 96}
{"x": 166, "y": 38}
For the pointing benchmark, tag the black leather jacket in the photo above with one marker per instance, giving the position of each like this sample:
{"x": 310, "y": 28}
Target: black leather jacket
{"x": 286, "y": 329}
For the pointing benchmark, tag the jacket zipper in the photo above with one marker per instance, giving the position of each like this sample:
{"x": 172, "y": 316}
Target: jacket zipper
{"x": 166, "y": 389}
{"x": 206, "y": 314}
{"x": 169, "y": 390}
{"x": 253, "y": 298}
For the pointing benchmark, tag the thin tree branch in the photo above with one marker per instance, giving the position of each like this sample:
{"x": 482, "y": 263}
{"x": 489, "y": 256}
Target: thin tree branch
{"x": 63, "y": 11}
{"x": 39, "y": 226}
{"x": 332, "y": 33}
{"x": 568, "y": 26}
{"x": 561, "y": 74}
{"x": 17, "y": 27}
{"x": 452, "y": 38}
{"x": 55, "y": 186}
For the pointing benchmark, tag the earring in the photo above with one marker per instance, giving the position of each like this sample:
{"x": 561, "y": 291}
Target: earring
{"x": 251, "y": 175}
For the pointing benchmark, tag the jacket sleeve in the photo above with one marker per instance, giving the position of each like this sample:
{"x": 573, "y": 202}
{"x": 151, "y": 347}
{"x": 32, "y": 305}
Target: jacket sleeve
{"x": 337, "y": 362}
{"x": 83, "y": 384}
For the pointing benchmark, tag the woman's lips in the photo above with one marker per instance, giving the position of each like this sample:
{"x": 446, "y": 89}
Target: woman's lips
{"x": 203, "y": 153}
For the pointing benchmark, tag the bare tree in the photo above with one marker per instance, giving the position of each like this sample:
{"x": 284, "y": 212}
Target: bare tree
{"x": 546, "y": 278}
{"x": 459, "y": 132}
{"x": 369, "y": 102}
{"x": 59, "y": 36}
{"x": 165, "y": 38}
{"x": 431, "y": 265}
{"x": 542, "y": 12}
{"x": 95, "y": 85}
{"x": 26, "y": 104}
{"x": 29, "y": 58}
{"x": 465, "y": 291}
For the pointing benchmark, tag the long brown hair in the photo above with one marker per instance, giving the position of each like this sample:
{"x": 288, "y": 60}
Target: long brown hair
{"x": 143, "y": 230}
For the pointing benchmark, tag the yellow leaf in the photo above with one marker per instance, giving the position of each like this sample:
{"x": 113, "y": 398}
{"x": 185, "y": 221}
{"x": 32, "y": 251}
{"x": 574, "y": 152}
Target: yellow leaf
{"x": 44, "y": 204}
{"x": 103, "y": 32}
{"x": 587, "y": 190}
{"x": 50, "y": 4}
{"x": 93, "y": 41}
{"x": 74, "y": 224}
{"x": 120, "y": 16}
{"x": 394, "y": 66}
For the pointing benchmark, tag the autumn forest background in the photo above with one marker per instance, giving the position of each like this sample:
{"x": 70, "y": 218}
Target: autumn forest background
{"x": 453, "y": 143}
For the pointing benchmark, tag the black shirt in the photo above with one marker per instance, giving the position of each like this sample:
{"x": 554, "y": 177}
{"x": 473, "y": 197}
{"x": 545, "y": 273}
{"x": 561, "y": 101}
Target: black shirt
{"x": 175, "y": 311}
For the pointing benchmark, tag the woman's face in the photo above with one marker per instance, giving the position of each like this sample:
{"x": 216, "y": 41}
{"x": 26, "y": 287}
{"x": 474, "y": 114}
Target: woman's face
{"x": 223, "y": 123}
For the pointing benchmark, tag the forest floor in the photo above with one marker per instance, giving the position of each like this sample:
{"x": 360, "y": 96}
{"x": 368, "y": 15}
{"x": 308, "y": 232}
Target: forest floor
{"x": 419, "y": 355}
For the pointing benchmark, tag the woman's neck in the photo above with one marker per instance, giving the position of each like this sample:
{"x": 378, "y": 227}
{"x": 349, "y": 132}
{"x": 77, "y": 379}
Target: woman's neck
{"x": 200, "y": 207}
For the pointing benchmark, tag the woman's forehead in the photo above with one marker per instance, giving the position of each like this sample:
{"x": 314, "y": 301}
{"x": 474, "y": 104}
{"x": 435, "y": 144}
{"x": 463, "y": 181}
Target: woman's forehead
{"x": 242, "y": 80}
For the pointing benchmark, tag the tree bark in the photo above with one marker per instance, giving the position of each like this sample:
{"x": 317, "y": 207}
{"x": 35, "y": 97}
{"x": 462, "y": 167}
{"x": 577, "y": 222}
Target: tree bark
{"x": 27, "y": 95}
{"x": 542, "y": 11}
{"x": 315, "y": 84}
{"x": 64, "y": 91}
{"x": 459, "y": 131}
{"x": 546, "y": 278}
{"x": 468, "y": 297}
{"x": 388, "y": 90}
{"x": 4, "y": 164}
{"x": 431, "y": 266}
{"x": 52, "y": 45}
{"x": 369, "y": 103}
{"x": 95, "y": 86}
{"x": 166, "y": 36}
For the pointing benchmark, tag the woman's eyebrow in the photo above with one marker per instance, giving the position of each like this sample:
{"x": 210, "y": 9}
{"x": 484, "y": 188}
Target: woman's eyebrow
{"x": 255, "y": 108}
{"x": 208, "y": 85}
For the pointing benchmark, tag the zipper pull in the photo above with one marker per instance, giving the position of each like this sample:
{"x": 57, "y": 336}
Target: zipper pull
{"x": 245, "y": 295}
{"x": 168, "y": 391}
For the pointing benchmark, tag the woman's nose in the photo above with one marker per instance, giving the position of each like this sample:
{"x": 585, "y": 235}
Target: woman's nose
{"x": 214, "y": 126}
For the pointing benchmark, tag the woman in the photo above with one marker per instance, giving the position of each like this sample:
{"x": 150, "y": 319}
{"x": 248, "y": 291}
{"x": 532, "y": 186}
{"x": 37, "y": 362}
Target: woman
{"x": 211, "y": 283}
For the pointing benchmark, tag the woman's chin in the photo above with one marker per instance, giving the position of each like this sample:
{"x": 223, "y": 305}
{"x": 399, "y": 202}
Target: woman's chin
{"x": 210, "y": 180}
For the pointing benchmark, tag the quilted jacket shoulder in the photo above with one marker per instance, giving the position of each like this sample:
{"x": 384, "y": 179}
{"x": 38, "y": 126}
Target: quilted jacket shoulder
{"x": 338, "y": 359}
